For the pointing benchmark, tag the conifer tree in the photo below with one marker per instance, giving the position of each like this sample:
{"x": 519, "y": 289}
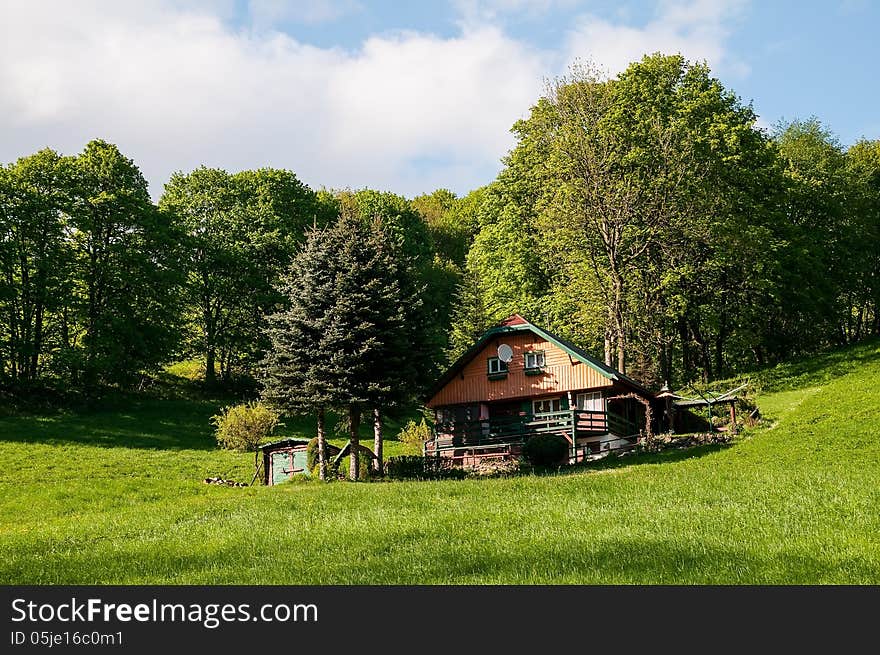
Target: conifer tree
{"x": 294, "y": 371}
{"x": 344, "y": 342}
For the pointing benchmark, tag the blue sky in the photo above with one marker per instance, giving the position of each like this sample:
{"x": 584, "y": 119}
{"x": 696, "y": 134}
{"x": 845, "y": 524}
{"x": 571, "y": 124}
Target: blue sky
{"x": 404, "y": 96}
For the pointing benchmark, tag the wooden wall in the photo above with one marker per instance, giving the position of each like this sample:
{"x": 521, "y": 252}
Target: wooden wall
{"x": 560, "y": 374}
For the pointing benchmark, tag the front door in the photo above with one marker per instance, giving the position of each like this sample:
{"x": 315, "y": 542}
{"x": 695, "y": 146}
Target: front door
{"x": 281, "y": 467}
{"x": 300, "y": 462}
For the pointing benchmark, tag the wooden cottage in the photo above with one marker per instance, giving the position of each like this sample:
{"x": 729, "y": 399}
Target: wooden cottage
{"x": 519, "y": 380}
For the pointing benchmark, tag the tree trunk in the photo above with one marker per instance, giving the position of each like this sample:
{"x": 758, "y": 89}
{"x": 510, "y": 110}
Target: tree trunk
{"x": 211, "y": 367}
{"x": 607, "y": 348}
{"x": 617, "y": 315}
{"x": 719, "y": 347}
{"x": 684, "y": 337}
{"x": 322, "y": 446}
{"x": 38, "y": 340}
{"x": 378, "y": 463}
{"x": 354, "y": 420}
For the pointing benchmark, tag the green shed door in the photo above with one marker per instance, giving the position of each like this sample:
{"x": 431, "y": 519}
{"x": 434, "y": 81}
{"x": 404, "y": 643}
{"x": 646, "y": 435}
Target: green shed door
{"x": 281, "y": 469}
{"x": 299, "y": 462}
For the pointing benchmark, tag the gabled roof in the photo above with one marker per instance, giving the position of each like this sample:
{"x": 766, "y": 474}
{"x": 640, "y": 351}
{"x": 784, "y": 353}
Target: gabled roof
{"x": 515, "y": 324}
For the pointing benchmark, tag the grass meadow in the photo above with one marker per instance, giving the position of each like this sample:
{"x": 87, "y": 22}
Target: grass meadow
{"x": 116, "y": 497}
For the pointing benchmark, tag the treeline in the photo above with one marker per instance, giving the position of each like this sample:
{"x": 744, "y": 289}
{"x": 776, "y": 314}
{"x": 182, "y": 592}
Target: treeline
{"x": 648, "y": 218}
{"x": 645, "y": 217}
{"x": 100, "y": 286}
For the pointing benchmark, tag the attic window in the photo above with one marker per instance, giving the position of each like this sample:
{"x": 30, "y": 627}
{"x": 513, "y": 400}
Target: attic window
{"x": 534, "y": 362}
{"x": 497, "y": 369}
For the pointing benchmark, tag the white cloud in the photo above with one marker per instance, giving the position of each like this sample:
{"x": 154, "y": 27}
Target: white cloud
{"x": 698, "y": 29}
{"x": 175, "y": 85}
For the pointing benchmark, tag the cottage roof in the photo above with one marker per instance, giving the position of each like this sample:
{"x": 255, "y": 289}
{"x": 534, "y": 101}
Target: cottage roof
{"x": 283, "y": 443}
{"x": 516, "y": 323}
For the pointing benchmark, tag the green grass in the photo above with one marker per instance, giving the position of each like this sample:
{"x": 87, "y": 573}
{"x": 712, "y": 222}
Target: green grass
{"x": 117, "y": 497}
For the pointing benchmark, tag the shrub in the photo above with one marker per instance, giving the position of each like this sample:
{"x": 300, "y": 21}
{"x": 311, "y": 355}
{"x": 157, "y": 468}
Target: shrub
{"x": 414, "y": 435}
{"x": 419, "y": 467}
{"x": 365, "y": 466}
{"x": 242, "y": 427}
{"x": 546, "y": 450}
{"x": 312, "y": 454}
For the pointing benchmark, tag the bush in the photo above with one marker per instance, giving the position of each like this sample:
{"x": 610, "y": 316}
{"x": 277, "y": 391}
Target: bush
{"x": 242, "y": 427}
{"x": 312, "y": 454}
{"x": 419, "y": 467}
{"x": 365, "y": 465}
{"x": 414, "y": 435}
{"x": 546, "y": 450}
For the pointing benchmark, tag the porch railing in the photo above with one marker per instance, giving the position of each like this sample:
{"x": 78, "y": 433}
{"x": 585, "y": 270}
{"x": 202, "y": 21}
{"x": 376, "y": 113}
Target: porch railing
{"x": 500, "y": 430}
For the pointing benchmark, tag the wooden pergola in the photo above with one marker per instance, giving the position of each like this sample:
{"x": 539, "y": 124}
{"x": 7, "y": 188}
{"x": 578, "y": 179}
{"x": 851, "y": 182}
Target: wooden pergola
{"x": 705, "y": 399}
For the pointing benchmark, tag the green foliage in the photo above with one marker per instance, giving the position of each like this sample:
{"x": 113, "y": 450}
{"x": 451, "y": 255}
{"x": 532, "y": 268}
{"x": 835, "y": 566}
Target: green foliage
{"x": 420, "y": 467}
{"x": 414, "y": 435}
{"x": 35, "y": 263}
{"x": 243, "y": 427}
{"x": 348, "y": 338}
{"x": 545, "y": 450}
{"x": 242, "y": 231}
{"x": 90, "y": 267}
{"x": 312, "y": 454}
{"x": 192, "y": 370}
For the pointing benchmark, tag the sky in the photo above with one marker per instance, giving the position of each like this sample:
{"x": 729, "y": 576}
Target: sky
{"x": 393, "y": 95}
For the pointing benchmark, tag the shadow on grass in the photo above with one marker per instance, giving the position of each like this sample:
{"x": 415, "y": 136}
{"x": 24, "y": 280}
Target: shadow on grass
{"x": 669, "y": 456}
{"x": 158, "y": 425}
{"x": 563, "y": 559}
{"x": 149, "y": 423}
{"x": 650, "y": 561}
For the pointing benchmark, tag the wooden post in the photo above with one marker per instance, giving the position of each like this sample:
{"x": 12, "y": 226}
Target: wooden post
{"x": 322, "y": 446}
{"x": 732, "y": 417}
{"x": 574, "y": 441}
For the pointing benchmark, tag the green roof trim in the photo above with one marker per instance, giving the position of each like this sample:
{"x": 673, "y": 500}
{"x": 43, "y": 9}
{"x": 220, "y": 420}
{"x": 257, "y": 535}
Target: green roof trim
{"x": 571, "y": 349}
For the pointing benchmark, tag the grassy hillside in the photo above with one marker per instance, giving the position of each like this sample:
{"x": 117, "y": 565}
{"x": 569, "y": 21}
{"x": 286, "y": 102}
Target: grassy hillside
{"x": 117, "y": 497}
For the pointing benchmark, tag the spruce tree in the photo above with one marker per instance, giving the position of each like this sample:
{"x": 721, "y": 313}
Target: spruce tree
{"x": 368, "y": 337}
{"x": 344, "y": 341}
{"x": 294, "y": 371}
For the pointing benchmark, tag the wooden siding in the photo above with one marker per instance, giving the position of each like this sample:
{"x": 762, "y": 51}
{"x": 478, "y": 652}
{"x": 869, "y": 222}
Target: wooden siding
{"x": 560, "y": 374}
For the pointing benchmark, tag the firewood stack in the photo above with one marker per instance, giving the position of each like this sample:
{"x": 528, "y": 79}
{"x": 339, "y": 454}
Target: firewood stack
{"x": 227, "y": 483}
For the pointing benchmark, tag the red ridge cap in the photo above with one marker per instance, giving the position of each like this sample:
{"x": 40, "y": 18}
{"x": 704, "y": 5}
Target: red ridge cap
{"x": 514, "y": 319}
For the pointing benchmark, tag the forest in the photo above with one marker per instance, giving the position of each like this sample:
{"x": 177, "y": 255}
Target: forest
{"x": 646, "y": 217}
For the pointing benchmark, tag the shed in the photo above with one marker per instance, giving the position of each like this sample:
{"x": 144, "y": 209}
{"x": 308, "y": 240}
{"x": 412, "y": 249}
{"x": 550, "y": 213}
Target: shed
{"x": 285, "y": 458}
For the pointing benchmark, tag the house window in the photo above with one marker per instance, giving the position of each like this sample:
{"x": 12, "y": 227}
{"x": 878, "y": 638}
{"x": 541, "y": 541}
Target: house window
{"x": 592, "y": 402}
{"x": 534, "y": 361}
{"x": 547, "y": 405}
{"x": 497, "y": 368}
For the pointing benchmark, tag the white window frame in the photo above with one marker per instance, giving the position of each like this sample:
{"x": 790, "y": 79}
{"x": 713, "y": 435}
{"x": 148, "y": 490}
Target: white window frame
{"x": 500, "y": 366}
{"x": 539, "y": 359}
{"x": 592, "y": 397}
{"x": 535, "y": 404}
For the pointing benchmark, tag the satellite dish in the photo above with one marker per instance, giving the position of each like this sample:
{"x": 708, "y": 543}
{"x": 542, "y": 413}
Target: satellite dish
{"x": 505, "y": 353}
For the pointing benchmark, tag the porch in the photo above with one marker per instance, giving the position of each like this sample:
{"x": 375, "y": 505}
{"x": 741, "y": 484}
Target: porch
{"x": 503, "y": 436}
